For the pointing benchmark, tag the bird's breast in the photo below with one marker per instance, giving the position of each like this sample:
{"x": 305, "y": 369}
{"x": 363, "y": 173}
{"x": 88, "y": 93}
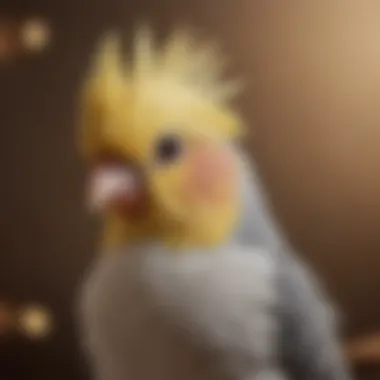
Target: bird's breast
{"x": 158, "y": 315}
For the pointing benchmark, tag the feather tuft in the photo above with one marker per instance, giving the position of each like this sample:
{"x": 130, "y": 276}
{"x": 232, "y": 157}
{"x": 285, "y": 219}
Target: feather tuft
{"x": 182, "y": 71}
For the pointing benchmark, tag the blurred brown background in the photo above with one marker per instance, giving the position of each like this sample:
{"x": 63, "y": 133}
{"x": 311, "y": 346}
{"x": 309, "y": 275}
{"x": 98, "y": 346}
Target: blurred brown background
{"x": 312, "y": 71}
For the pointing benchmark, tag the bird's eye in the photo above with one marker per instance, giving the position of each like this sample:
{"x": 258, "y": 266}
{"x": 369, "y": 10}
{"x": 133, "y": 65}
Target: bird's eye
{"x": 168, "y": 149}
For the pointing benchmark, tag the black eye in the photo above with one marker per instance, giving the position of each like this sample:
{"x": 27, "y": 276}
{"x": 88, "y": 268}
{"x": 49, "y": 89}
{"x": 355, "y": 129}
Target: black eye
{"x": 168, "y": 149}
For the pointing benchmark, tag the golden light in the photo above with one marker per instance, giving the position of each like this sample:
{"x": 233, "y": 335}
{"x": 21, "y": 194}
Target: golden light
{"x": 20, "y": 38}
{"x": 36, "y": 322}
{"x": 35, "y": 35}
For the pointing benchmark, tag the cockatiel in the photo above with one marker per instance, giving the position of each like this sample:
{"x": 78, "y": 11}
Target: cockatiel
{"x": 193, "y": 282}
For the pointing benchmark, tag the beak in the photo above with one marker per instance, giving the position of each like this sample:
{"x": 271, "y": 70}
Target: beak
{"x": 118, "y": 187}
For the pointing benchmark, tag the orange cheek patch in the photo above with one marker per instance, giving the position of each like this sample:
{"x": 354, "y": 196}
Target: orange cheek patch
{"x": 212, "y": 174}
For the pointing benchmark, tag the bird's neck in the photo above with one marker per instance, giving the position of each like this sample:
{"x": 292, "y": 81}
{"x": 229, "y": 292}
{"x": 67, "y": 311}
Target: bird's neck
{"x": 117, "y": 232}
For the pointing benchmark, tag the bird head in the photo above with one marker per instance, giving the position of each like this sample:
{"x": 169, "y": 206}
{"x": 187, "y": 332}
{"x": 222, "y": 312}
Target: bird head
{"x": 156, "y": 132}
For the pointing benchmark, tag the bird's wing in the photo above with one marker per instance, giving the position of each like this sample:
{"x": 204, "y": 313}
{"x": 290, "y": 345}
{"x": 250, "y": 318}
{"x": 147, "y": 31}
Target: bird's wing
{"x": 309, "y": 335}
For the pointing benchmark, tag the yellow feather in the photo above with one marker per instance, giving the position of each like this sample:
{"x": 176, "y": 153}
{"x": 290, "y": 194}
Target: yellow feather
{"x": 108, "y": 60}
{"x": 101, "y": 93}
{"x": 127, "y": 104}
{"x": 181, "y": 71}
{"x": 106, "y": 74}
{"x": 176, "y": 55}
{"x": 144, "y": 59}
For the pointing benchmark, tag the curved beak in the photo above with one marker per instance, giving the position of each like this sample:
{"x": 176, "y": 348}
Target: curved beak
{"x": 117, "y": 187}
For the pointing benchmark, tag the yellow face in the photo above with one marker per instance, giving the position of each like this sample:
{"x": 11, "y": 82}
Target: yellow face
{"x": 156, "y": 139}
{"x": 185, "y": 179}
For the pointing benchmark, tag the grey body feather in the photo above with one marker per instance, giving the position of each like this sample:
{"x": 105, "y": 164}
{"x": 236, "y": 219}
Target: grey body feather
{"x": 250, "y": 311}
{"x": 150, "y": 314}
{"x": 309, "y": 334}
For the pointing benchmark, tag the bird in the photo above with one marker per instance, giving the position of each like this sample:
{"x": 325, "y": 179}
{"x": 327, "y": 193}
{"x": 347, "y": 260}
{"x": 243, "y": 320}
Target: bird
{"x": 193, "y": 279}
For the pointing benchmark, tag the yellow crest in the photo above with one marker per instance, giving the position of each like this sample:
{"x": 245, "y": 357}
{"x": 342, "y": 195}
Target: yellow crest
{"x": 182, "y": 65}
